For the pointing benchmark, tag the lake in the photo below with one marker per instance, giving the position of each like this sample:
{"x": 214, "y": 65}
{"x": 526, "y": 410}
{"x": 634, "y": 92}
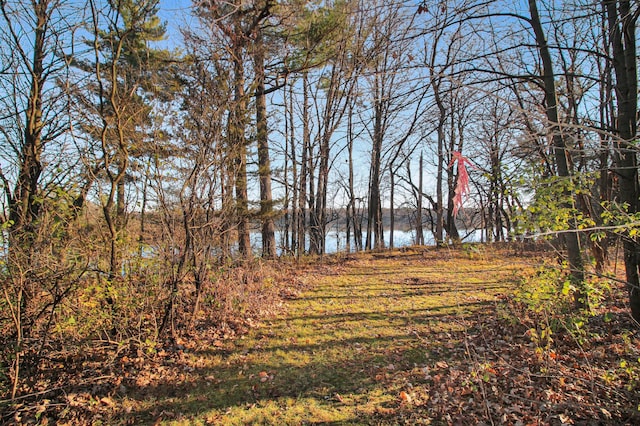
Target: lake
{"x": 336, "y": 241}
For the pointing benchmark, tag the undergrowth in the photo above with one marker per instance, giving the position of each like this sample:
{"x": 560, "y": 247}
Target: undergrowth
{"x": 104, "y": 322}
{"x": 419, "y": 336}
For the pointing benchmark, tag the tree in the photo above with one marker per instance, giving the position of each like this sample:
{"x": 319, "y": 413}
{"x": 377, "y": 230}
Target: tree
{"x": 42, "y": 257}
{"x": 498, "y": 169}
{"x": 622, "y": 19}
{"x": 239, "y": 24}
{"x": 574, "y": 252}
{"x": 198, "y": 234}
{"x": 262, "y": 136}
{"x": 34, "y": 105}
{"x": 120, "y": 97}
{"x": 539, "y": 76}
{"x": 389, "y": 78}
{"x": 439, "y": 62}
{"x": 324, "y": 57}
{"x": 337, "y": 82}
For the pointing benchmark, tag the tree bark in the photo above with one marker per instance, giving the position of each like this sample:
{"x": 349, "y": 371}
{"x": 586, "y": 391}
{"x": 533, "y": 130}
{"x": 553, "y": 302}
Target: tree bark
{"x": 440, "y": 167}
{"x": 374, "y": 215}
{"x": 264, "y": 163}
{"x": 574, "y": 252}
{"x": 23, "y": 205}
{"x": 239, "y": 143}
{"x": 419, "y": 231}
{"x": 622, "y": 23}
{"x": 305, "y": 168}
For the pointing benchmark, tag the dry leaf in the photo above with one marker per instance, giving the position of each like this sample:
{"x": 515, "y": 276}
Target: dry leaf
{"x": 107, "y": 401}
{"x": 442, "y": 364}
{"x": 565, "y": 419}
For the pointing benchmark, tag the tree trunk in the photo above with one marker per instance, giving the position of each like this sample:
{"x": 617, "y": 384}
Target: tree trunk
{"x": 239, "y": 145}
{"x": 264, "y": 163}
{"x": 350, "y": 213}
{"x": 294, "y": 187}
{"x": 622, "y": 24}
{"x": 574, "y": 252}
{"x": 227, "y": 184}
{"x": 374, "y": 214}
{"x": 319, "y": 216}
{"x": 419, "y": 231}
{"x": 392, "y": 214}
{"x": 23, "y": 206}
{"x": 440, "y": 170}
{"x": 450, "y": 222}
{"x": 305, "y": 170}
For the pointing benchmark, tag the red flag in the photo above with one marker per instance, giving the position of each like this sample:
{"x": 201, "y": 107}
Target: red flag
{"x": 462, "y": 186}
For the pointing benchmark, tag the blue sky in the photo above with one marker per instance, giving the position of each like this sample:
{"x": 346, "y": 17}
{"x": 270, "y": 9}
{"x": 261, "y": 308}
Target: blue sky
{"x": 176, "y": 14}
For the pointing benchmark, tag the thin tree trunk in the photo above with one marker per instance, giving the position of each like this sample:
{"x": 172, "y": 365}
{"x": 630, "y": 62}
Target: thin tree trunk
{"x": 419, "y": 232}
{"x": 392, "y": 214}
{"x": 574, "y": 251}
{"x": 439, "y": 173}
{"x": 351, "y": 218}
{"x": 294, "y": 187}
{"x": 622, "y": 24}
{"x": 23, "y": 206}
{"x": 305, "y": 170}
{"x": 374, "y": 224}
{"x": 239, "y": 146}
{"x": 264, "y": 163}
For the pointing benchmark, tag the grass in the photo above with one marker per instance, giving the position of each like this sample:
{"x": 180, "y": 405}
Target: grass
{"x": 474, "y": 335}
{"x": 356, "y": 345}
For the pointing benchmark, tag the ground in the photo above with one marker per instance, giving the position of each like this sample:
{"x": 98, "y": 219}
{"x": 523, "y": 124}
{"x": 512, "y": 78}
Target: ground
{"x": 419, "y": 336}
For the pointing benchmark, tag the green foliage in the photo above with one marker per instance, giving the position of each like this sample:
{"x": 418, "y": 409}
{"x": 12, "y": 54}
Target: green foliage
{"x": 542, "y": 339}
{"x": 548, "y": 295}
{"x": 320, "y": 30}
{"x": 553, "y": 207}
{"x": 550, "y": 290}
{"x": 546, "y": 289}
{"x": 617, "y": 216}
{"x": 627, "y": 371}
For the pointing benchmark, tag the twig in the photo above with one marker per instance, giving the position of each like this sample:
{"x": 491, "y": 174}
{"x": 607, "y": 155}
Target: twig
{"x": 44, "y": 392}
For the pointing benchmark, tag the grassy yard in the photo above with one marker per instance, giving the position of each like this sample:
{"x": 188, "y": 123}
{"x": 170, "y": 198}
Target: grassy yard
{"x": 371, "y": 340}
{"x": 419, "y": 336}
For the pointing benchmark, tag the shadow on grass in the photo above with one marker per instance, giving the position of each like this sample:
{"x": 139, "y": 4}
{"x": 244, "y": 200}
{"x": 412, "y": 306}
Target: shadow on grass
{"x": 346, "y": 368}
{"x": 332, "y": 385}
{"x": 409, "y": 290}
{"x": 434, "y": 312}
{"x": 342, "y": 354}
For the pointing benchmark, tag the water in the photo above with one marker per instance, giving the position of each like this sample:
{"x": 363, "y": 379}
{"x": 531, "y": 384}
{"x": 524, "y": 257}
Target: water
{"x": 336, "y": 242}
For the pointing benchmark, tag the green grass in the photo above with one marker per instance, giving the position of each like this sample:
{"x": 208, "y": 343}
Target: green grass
{"x": 353, "y": 347}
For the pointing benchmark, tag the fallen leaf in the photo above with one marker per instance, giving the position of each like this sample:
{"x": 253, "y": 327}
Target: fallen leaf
{"x": 442, "y": 364}
{"x": 565, "y": 419}
{"x": 107, "y": 401}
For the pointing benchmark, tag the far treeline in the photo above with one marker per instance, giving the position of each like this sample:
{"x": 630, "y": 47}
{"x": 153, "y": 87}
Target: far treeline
{"x": 140, "y": 147}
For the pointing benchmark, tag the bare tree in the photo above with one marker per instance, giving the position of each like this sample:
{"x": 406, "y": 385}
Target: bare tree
{"x": 264, "y": 162}
{"x": 559, "y": 144}
{"x": 42, "y": 263}
{"x": 622, "y": 18}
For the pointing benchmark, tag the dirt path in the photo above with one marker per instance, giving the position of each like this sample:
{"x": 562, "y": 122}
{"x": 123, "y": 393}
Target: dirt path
{"x": 364, "y": 342}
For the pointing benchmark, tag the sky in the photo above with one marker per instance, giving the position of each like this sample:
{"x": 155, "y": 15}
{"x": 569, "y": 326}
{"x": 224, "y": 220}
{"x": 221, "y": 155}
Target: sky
{"x": 176, "y": 15}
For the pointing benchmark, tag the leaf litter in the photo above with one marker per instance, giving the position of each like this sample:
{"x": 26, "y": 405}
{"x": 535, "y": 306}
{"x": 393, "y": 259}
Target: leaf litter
{"x": 420, "y": 336}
